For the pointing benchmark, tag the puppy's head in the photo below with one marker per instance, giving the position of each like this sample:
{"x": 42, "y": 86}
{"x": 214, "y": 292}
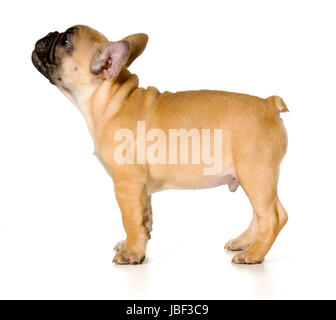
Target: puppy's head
{"x": 80, "y": 56}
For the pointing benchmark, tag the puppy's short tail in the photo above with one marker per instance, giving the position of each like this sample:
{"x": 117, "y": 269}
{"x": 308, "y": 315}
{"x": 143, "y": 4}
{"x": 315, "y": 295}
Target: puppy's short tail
{"x": 279, "y": 104}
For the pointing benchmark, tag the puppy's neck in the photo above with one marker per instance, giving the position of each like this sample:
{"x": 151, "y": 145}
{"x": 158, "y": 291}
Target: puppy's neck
{"x": 101, "y": 101}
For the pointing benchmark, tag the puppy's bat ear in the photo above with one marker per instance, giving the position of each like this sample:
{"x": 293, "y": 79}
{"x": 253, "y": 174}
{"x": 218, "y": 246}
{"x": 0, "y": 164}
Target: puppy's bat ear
{"x": 138, "y": 44}
{"x": 111, "y": 58}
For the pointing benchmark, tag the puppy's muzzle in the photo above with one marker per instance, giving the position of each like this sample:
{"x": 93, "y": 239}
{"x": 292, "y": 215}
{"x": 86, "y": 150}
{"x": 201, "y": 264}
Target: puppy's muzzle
{"x": 43, "y": 56}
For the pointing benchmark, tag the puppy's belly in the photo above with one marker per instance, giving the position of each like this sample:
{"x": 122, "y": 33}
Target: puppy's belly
{"x": 202, "y": 183}
{"x": 222, "y": 179}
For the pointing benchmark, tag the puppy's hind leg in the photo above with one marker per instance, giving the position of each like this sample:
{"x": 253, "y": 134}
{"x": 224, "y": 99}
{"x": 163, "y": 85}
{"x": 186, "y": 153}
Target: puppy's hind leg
{"x": 246, "y": 238}
{"x": 260, "y": 185}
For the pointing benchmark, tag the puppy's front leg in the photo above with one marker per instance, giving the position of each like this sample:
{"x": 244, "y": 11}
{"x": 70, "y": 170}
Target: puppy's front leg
{"x": 135, "y": 208}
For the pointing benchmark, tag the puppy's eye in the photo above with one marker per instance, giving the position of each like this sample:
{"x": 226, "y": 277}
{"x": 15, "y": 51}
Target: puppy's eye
{"x": 65, "y": 41}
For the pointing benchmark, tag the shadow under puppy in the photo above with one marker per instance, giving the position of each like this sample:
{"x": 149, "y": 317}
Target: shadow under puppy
{"x": 249, "y": 137}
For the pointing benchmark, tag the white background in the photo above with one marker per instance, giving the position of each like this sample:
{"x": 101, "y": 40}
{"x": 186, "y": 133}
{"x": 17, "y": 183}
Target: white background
{"x": 58, "y": 216}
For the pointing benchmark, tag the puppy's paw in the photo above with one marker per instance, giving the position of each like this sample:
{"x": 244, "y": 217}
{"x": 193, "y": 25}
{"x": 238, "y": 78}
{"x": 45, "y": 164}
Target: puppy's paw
{"x": 236, "y": 245}
{"x": 247, "y": 258}
{"x": 127, "y": 257}
{"x": 120, "y": 245}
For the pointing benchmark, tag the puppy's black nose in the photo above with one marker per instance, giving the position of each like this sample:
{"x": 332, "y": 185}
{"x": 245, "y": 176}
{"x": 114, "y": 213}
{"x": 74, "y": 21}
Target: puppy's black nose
{"x": 43, "y": 44}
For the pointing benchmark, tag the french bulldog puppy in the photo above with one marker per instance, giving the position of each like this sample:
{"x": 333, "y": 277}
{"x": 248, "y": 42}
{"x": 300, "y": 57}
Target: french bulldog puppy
{"x": 143, "y": 137}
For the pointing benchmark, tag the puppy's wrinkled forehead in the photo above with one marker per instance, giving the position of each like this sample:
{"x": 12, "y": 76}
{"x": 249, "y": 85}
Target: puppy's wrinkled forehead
{"x": 87, "y": 39}
{"x": 89, "y": 35}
